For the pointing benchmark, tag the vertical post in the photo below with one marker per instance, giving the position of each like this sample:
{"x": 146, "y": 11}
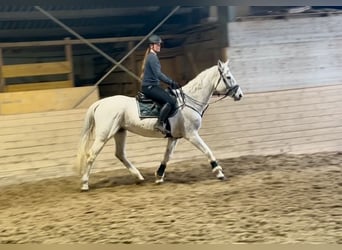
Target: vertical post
{"x": 232, "y": 13}
{"x": 68, "y": 55}
{"x": 223, "y": 19}
{"x": 2, "y": 79}
{"x": 133, "y": 65}
{"x": 189, "y": 55}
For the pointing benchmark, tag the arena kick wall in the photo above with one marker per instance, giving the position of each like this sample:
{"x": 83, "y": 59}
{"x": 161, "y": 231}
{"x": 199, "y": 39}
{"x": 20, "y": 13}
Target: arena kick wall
{"x": 43, "y": 145}
{"x": 293, "y": 104}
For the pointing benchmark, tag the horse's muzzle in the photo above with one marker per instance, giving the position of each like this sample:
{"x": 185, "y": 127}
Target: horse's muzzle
{"x": 237, "y": 97}
{"x": 235, "y": 92}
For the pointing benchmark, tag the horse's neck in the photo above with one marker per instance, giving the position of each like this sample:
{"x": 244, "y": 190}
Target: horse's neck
{"x": 201, "y": 88}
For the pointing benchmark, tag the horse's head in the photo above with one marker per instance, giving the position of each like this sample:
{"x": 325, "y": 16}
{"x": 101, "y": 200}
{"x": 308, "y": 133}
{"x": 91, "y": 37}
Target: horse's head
{"x": 227, "y": 83}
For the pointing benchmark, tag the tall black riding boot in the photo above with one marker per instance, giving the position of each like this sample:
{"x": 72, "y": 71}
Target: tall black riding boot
{"x": 164, "y": 114}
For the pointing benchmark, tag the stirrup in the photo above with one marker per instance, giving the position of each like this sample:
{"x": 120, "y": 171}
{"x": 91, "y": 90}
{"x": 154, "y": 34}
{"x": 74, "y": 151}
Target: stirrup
{"x": 162, "y": 128}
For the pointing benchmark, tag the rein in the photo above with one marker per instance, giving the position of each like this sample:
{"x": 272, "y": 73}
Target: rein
{"x": 206, "y": 105}
{"x": 184, "y": 104}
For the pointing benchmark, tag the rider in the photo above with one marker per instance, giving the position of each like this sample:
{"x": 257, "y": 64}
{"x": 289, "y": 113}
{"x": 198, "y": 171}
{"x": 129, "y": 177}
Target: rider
{"x": 151, "y": 76}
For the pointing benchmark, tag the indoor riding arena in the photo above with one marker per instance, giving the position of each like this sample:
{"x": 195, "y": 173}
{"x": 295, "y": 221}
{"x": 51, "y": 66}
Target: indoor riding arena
{"x": 280, "y": 146}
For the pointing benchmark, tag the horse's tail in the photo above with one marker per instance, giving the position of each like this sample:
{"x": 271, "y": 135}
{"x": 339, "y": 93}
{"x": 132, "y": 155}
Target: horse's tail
{"x": 86, "y": 135}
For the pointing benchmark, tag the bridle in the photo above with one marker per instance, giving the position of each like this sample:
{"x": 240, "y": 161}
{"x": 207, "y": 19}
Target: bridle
{"x": 231, "y": 91}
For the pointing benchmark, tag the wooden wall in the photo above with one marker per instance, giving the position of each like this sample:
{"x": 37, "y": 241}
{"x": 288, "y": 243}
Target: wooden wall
{"x": 288, "y": 53}
{"x": 20, "y": 75}
{"x": 46, "y": 100}
{"x": 43, "y": 145}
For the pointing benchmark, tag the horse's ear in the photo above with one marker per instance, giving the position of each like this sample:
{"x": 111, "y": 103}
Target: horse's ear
{"x": 219, "y": 63}
{"x": 227, "y": 62}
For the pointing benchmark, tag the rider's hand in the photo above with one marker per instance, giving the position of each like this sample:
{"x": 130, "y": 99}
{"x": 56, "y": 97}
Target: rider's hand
{"x": 174, "y": 85}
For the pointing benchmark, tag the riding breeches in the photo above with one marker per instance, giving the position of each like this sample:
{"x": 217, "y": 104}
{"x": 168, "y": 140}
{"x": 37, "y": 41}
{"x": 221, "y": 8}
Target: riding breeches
{"x": 159, "y": 95}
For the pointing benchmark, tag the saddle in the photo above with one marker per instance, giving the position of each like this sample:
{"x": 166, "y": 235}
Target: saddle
{"x": 147, "y": 108}
{"x": 142, "y": 98}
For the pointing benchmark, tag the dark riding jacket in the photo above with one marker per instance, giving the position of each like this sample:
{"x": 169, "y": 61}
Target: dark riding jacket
{"x": 152, "y": 73}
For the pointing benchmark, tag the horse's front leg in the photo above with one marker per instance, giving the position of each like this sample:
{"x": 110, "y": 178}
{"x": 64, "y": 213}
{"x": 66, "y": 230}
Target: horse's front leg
{"x": 160, "y": 173}
{"x": 197, "y": 141}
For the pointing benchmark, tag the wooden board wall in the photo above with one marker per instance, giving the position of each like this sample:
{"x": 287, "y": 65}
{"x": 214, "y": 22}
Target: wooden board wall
{"x": 43, "y": 145}
{"x": 286, "y": 53}
{"x": 46, "y": 100}
{"x": 24, "y": 76}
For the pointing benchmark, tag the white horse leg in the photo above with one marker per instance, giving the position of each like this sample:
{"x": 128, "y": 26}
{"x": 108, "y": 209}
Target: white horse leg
{"x": 197, "y": 141}
{"x": 120, "y": 140}
{"x": 160, "y": 173}
{"x": 93, "y": 152}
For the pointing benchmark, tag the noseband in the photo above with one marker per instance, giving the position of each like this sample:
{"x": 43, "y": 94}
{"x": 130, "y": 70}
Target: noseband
{"x": 231, "y": 91}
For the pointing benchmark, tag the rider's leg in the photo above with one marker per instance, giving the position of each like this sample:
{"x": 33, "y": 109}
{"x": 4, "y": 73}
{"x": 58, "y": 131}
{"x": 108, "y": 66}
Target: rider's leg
{"x": 167, "y": 102}
{"x": 164, "y": 114}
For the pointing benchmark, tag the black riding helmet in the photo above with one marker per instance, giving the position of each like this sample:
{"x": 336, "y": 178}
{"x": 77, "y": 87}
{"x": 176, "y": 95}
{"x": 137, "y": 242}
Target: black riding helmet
{"x": 154, "y": 39}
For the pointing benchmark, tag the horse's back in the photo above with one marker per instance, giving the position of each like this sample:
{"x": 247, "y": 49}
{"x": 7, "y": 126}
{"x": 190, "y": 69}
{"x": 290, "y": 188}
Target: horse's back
{"x": 112, "y": 106}
{"x": 119, "y": 111}
{"x": 116, "y": 103}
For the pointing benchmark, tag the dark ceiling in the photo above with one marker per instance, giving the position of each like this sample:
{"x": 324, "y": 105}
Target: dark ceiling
{"x": 21, "y": 21}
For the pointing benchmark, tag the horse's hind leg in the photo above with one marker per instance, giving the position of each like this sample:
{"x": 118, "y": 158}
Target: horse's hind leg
{"x": 160, "y": 173}
{"x": 91, "y": 156}
{"x": 120, "y": 140}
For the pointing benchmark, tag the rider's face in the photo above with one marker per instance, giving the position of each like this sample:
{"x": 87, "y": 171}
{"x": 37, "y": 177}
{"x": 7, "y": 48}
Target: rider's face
{"x": 156, "y": 47}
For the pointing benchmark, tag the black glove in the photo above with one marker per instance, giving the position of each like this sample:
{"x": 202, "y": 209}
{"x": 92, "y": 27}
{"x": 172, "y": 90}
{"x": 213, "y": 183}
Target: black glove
{"x": 174, "y": 85}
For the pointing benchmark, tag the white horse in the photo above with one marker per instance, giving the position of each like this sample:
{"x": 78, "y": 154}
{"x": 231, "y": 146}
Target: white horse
{"x": 113, "y": 116}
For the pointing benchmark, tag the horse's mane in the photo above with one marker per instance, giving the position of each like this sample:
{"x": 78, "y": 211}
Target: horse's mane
{"x": 198, "y": 81}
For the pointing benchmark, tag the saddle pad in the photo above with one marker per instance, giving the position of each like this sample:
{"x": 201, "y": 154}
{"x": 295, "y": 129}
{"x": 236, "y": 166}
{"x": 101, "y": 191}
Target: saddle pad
{"x": 148, "y": 110}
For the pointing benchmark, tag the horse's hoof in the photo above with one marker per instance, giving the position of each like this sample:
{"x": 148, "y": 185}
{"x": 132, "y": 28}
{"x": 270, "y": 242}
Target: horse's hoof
{"x": 219, "y": 173}
{"x": 222, "y": 178}
{"x": 139, "y": 181}
{"x": 160, "y": 181}
{"x": 84, "y": 188}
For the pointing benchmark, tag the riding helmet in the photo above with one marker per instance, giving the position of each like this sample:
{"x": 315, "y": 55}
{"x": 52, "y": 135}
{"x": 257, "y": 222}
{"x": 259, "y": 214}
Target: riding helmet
{"x": 154, "y": 39}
